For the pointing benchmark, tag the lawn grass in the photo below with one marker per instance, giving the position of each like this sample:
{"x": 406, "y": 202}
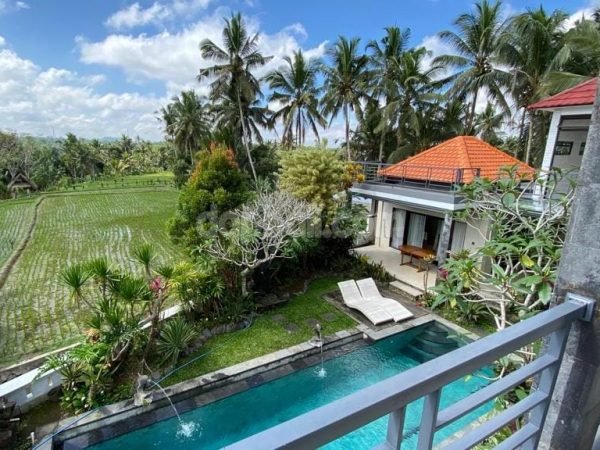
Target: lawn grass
{"x": 267, "y": 333}
{"x": 15, "y": 219}
{"x": 36, "y": 314}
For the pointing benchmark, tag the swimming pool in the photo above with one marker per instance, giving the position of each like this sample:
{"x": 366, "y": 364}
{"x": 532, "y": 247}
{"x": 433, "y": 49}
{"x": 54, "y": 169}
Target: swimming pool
{"x": 233, "y": 418}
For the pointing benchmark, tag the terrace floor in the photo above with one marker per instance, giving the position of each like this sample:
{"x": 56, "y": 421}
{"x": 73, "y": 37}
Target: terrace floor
{"x": 391, "y": 258}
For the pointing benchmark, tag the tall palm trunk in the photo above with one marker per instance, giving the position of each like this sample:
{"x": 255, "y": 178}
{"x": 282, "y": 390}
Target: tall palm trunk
{"x": 347, "y": 118}
{"x": 244, "y": 135}
{"x": 381, "y": 142}
{"x": 469, "y": 129}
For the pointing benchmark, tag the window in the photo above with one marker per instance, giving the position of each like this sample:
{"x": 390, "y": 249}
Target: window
{"x": 563, "y": 148}
{"x": 581, "y": 148}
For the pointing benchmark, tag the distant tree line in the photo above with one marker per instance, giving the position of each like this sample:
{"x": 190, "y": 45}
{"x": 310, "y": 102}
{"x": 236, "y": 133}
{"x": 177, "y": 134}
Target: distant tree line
{"x": 48, "y": 162}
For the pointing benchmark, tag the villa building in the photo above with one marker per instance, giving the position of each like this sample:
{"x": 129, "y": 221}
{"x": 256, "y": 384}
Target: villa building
{"x": 571, "y": 115}
{"x": 414, "y": 202}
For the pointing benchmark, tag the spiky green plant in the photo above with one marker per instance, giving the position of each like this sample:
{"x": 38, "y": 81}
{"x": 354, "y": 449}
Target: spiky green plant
{"x": 145, "y": 254}
{"x": 175, "y": 337}
{"x": 75, "y": 277}
{"x": 133, "y": 291}
{"x": 102, "y": 272}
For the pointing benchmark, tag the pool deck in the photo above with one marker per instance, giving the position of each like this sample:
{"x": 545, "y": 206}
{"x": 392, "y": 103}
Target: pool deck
{"x": 377, "y": 332}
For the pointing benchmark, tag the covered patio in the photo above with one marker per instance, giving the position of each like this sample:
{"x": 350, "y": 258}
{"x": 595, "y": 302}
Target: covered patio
{"x": 391, "y": 259}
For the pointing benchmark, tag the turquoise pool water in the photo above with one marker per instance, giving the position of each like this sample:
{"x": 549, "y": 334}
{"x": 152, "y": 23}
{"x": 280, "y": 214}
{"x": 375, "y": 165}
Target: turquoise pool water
{"x": 241, "y": 415}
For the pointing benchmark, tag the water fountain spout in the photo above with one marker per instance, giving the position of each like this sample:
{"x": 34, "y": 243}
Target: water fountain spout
{"x": 318, "y": 340}
{"x": 143, "y": 397}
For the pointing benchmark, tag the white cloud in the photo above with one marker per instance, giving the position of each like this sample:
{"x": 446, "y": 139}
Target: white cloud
{"x": 57, "y": 101}
{"x": 135, "y": 15}
{"x": 582, "y": 13}
{"x": 8, "y": 6}
{"x": 2, "y": 41}
{"x": 54, "y": 101}
{"x": 174, "y": 57}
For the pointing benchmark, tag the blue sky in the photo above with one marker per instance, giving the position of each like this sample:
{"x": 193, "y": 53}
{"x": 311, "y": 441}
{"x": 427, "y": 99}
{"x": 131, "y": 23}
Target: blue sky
{"x": 103, "y": 67}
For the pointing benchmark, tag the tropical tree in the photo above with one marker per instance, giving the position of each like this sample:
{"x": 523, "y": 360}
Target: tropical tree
{"x": 345, "y": 82}
{"x": 488, "y": 124}
{"x": 187, "y": 123}
{"x": 262, "y": 230}
{"x": 295, "y": 87}
{"x": 384, "y": 61}
{"x": 522, "y": 249}
{"x": 478, "y": 41}
{"x": 579, "y": 57}
{"x": 232, "y": 75}
{"x": 535, "y": 38}
{"x": 417, "y": 94}
{"x": 313, "y": 175}
{"x": 216, "y": 186}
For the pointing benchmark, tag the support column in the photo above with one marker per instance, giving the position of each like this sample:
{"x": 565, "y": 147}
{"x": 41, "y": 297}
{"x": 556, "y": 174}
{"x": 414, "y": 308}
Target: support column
{"x": 549, "y": 150}
{"x": 574, "y": 413}
{"x": 444, "y": 244}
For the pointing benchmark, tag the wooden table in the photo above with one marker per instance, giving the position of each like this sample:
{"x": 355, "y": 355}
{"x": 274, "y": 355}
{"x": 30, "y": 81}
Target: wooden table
{"x": 415, "y": 252}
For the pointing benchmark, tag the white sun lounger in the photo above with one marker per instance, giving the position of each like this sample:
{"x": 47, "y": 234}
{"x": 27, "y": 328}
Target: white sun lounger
{"x": 353, "y": 299}
{"x": 369, "y": 292}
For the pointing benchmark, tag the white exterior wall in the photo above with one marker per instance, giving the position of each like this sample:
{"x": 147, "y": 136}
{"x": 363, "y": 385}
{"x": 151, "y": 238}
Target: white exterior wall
{"x": 474, "y": 236}
{"x": 554, "y": 135}
{"x": 553, "y": 132}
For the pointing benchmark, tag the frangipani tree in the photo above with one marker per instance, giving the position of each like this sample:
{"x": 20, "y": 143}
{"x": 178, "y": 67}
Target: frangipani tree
{"x": 262, "y": 230}
{"x": 521, "y": 249}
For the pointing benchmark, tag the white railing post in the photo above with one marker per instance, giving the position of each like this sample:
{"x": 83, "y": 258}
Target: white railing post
{"x": 428, "y": 420}
{"x": 545, "y": 383}
{"x": 395, "y": 429}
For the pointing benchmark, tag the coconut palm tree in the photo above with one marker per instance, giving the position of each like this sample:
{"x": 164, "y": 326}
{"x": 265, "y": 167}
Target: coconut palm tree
{"x": 488, "y": 124}
{"x": 295, "y": 87}
{"x": 478, "y": 40}
{"x": 384, "y": 62}
{"x": 345, "y": 82}
{"x": 232, "y": 72}
{"x": 417, "y": 89}
{"x": 186, "y": 122}
{"x": 535, "y": 38}
{"x": 579, "y": 57}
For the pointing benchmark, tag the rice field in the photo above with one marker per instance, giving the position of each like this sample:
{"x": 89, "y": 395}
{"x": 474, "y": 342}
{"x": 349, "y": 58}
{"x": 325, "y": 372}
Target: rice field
{"x": 36, "y": 314}
{"x": 15, "y": 218}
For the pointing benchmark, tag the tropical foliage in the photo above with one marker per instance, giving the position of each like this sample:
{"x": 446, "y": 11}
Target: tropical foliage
{"x": 512, "y": 274}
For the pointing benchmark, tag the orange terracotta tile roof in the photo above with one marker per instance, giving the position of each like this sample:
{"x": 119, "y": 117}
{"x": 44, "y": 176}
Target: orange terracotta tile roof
{"x": 582, "y": 94}
{"x": 460, "y": 159}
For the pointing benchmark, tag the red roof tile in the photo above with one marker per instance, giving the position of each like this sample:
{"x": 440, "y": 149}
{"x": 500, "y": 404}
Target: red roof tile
{"x": 442, "y": 163}
{"x": 582, "y": 94}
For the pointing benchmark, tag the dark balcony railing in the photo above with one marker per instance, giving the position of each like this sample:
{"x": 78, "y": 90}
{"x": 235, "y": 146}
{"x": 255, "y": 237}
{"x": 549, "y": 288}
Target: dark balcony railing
{"x": 390, "y": 397}
{"x": 445, "y": 178}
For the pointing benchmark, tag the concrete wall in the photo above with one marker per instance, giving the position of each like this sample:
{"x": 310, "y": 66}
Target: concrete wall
{"x": 30, "y": 389}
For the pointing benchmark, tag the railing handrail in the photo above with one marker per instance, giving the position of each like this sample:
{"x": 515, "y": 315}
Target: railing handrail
{"x": 391, "y": 396}
{"x": 434, "y": 176}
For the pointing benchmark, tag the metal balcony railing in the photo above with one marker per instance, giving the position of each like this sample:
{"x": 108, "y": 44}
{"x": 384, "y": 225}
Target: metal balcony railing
{"x": 445, "y": 178}
{"x": 390, "y": 397}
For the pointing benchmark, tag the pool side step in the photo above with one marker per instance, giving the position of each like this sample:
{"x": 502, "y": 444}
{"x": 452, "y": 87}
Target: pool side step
{"x": 405, "y": 289}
